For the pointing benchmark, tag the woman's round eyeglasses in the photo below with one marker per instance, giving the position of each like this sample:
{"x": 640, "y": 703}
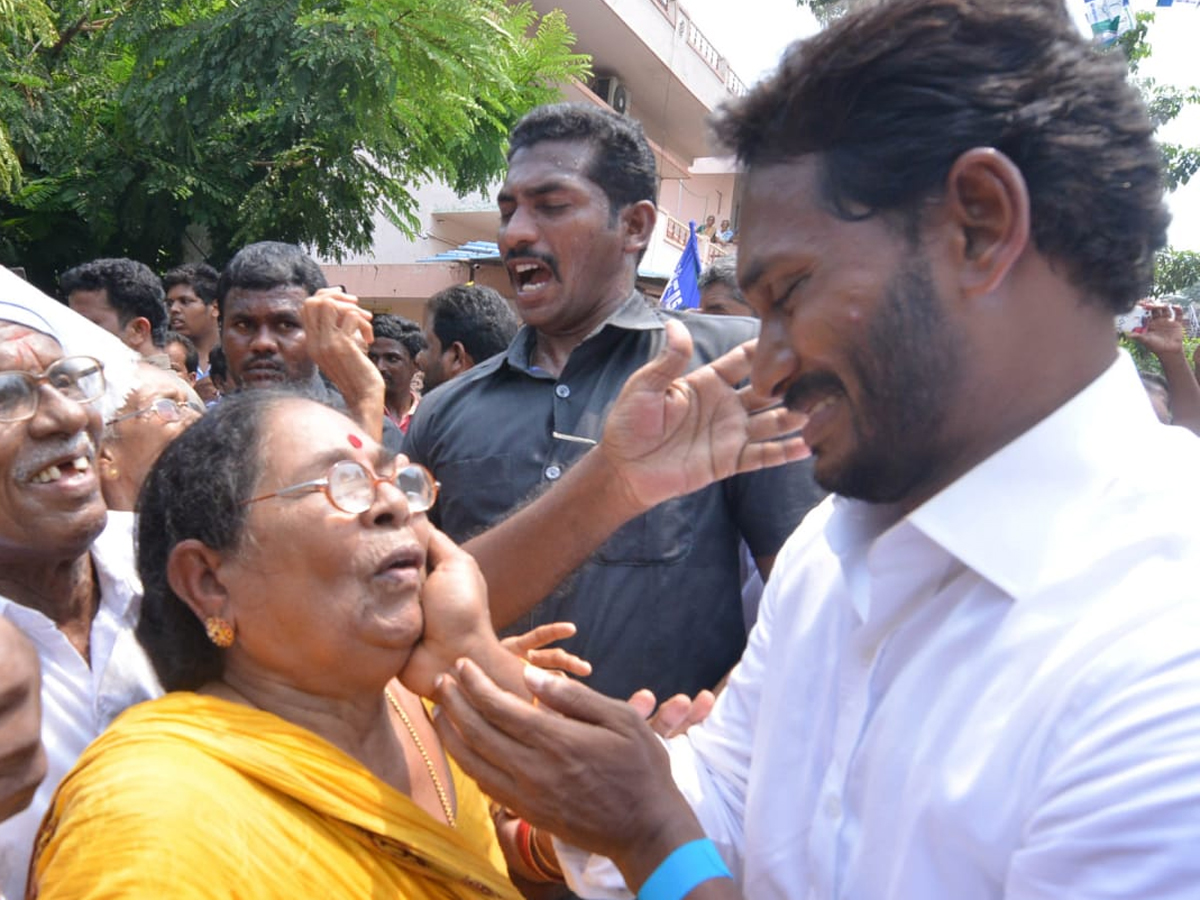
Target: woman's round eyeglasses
{"x": 165, "y": 408}
{"x": 352, "y": 487}
{"x": 78, "y": 378}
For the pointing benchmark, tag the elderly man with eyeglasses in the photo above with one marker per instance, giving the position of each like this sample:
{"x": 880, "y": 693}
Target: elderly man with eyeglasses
{"x": 155, "y": 413}
{"x": 67, "y": 578}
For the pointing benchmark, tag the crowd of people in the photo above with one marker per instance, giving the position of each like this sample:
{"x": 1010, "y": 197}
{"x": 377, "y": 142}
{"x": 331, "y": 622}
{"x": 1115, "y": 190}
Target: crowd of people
{"x": 295, "y": 599}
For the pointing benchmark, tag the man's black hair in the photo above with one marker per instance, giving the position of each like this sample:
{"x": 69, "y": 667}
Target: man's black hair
{"x": 132, "y": 289}
{"x": 886, "y": 100}
{"x": 218, "y": 366}
{"x": 475, "y": 316}
{"x": 201, "y": 277}
{"x": 622, "y": 162}
{"x": 269, "y": 264}
{"x": 404, "y": 331}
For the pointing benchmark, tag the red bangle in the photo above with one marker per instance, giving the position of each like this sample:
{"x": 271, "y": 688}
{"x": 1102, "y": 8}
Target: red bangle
{"x": 525, "y": 846}
{"x": 531, "y": 857}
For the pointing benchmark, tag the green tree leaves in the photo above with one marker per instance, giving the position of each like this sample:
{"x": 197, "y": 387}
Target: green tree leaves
{"x": 143, "y": 123}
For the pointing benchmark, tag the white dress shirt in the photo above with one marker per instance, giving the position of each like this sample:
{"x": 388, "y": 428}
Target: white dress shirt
{"x": 997, "y": 696}
{"x": 78, "y": 701}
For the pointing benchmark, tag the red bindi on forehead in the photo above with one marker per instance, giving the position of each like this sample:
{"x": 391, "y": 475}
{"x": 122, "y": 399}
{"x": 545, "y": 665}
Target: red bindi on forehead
{"x": 355, "y": 441}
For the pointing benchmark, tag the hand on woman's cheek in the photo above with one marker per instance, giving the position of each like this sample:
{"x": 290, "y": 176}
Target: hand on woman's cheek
{"x": 457, "y": 622}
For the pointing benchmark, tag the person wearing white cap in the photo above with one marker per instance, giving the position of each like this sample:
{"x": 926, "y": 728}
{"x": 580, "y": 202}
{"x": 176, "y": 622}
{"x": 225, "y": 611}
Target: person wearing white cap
{"x": 67, "y": 578}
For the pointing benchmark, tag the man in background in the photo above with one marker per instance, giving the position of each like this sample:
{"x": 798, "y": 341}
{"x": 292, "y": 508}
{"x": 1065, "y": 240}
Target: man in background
{"x": 122, "y": 296}
{"x": 464, "y": 325}
{"x": 397, "y": 342}
{"x": 657, "y": 602}
{"x": 719, "y": 291}
{"x": 282, "y": 324}
{"x": 191, "y": 296}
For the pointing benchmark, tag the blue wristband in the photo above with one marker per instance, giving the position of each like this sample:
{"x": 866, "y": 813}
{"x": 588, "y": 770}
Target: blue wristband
{"x": 687, "y": 866}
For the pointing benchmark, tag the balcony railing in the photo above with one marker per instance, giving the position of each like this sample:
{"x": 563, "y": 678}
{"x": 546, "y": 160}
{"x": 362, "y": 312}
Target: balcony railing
{"x": 686, "y": 29}
{"x": 676, "y": 235}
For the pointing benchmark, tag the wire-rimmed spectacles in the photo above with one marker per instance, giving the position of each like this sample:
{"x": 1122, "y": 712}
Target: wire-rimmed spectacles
{"x": 78, "y": 378}
{"x": 352, "y": 487}
{"x": 164, "y": 407}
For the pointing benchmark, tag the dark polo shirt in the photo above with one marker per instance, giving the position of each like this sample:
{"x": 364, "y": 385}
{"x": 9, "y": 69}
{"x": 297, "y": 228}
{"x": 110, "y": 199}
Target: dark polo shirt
{"x": 659, "y": 604}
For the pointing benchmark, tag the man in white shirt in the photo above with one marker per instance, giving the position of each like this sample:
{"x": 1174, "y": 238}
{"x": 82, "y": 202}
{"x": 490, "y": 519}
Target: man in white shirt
{"x": 976, "y": 670}
{"x": 67, "y": 577}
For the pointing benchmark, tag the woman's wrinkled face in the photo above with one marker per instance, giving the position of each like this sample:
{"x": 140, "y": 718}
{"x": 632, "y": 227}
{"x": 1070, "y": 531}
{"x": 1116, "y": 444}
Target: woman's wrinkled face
{"x": 322, "y": 598}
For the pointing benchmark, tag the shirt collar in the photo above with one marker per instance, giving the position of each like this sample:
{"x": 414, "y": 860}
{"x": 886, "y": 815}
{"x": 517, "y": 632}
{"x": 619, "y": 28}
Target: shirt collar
{"x": 1019, "y": 516}
{"x": 116, "y": 569}
{"x": 634, "y": 314}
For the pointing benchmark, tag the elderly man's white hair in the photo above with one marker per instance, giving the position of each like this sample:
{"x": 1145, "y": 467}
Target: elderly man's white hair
{"x": 23, "y": 304}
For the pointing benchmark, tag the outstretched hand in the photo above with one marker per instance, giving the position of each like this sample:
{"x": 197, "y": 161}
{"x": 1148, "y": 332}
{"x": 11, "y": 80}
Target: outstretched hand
{"x": 669, "y": 434}
{"x": 531, "y": 646}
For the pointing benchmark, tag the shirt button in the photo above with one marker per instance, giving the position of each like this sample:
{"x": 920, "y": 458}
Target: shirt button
{"x": 553, "y": 473}
{"x": 833, "y": 806}
{"x": 562, "y": 391}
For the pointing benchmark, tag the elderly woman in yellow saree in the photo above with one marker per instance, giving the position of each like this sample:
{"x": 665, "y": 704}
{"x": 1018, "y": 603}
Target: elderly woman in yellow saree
{"x": 287, "y": 563}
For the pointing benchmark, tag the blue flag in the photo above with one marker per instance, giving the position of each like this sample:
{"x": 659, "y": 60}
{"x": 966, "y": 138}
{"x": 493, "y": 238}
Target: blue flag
{"x": 682, "y": 291}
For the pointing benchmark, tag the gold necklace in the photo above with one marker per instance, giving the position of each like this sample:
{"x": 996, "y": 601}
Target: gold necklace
{"x": 433, "y": 776}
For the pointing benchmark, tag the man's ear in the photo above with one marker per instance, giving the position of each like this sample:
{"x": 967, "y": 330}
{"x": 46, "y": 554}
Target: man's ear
{"x": 638, "y": 221}
{"x": 460, "y": 359}
{"x": 136, "y": 332}
{"x": 987, "y": 202}
{"x": 194, "y": 573}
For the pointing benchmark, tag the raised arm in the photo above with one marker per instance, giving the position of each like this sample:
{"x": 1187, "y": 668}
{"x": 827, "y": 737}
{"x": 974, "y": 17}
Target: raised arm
{"x": 1164, "y": 338}
{"x": 667, "y": 435}
{"x": 337, "y": 334}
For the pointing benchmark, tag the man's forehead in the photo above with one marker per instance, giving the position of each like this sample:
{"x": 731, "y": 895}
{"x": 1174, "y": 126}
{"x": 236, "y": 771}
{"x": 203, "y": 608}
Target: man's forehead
{"x": 279, "y": 298}
{"x": 25, "y": 349}
{"x": 538, "y": 165}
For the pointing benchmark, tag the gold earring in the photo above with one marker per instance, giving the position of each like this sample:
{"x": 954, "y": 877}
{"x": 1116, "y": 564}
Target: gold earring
{"x": 219, "y": 631}
{"x": 111, "y": 472}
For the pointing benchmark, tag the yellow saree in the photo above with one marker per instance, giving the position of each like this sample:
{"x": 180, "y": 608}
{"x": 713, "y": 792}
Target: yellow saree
{"x": 190, "y": 797}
